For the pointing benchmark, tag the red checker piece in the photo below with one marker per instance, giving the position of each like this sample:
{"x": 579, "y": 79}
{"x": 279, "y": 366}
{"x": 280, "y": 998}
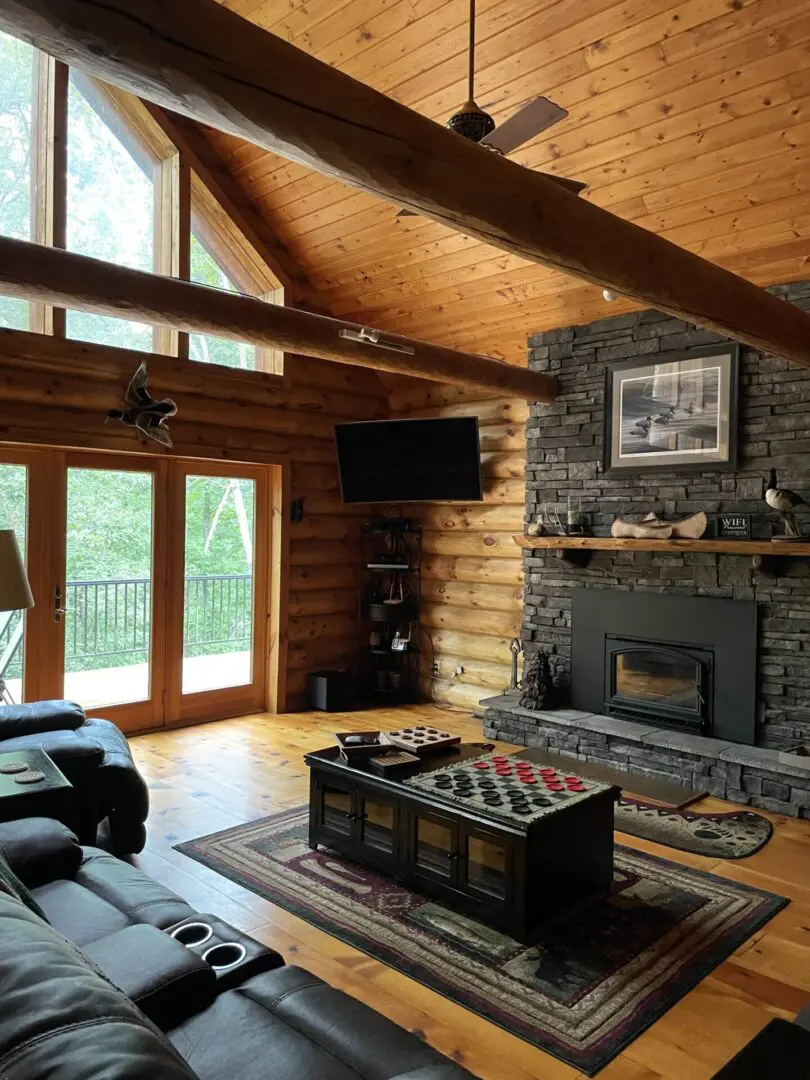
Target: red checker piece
{"x": 548, "y": 772}
{"x": 572, "y": 780}
{"x": 481, "y": 765}
{"x": 499, "y": 759}
{"x": 555, "y": 787}
{"x": 526, "y": 779}
{"x": 503, "y": 770}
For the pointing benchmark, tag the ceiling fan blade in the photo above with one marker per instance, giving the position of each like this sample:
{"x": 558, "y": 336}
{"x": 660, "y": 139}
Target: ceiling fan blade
{"x": 525, "y": 124}
{"x": 406, "y": 213}
{"x": 574, "y": 186}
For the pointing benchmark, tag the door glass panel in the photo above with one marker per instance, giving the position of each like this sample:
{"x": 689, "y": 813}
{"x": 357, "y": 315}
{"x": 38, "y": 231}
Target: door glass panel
{"x": 108, "y": 625}
{"x": 110, "y": 203}
{"x": 218, "y": 604}
{"x": 337, "y": 808}
{"x": 17, "y": 66}
{"x": 378, "y": 824}
{"x": 13, "y": 510}
{"x": 486, "y": 866}
{"x": 663, "y": 678}
{"x": 434, "y": 845}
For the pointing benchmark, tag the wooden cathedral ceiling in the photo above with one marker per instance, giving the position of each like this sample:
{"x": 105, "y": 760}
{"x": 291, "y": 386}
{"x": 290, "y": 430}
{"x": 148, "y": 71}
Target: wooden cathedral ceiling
{"x": 690, "y": 118}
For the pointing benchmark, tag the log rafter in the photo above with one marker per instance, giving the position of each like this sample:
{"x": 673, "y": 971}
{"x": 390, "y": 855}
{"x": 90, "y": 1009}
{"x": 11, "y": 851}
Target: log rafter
{"x": 63, "y": 279}
{"x": 200, "y": 59}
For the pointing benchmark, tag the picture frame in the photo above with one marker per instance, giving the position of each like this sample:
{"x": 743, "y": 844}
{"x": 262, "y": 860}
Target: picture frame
{"x": 673, "y": 412}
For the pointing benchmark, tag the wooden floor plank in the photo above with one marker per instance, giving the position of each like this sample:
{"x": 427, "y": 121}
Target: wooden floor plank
{"x": 214, "y": 776}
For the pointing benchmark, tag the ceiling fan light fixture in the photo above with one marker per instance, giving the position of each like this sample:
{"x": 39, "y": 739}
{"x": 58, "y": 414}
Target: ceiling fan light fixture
{"x": 471, "y": 122}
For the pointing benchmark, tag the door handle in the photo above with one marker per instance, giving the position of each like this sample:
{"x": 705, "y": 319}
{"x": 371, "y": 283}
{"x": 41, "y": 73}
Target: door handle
{"x": 58, "y": 610}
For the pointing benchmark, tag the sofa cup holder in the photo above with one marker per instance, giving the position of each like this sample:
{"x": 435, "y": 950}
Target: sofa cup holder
{"x": 225, "y": 955}
{"x": 192, "y": 934}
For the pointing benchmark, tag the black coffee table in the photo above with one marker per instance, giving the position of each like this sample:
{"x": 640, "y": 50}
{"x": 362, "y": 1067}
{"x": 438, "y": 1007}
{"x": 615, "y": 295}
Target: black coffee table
{"x": 52, "y": 796}
{"x": 515, "y": 871}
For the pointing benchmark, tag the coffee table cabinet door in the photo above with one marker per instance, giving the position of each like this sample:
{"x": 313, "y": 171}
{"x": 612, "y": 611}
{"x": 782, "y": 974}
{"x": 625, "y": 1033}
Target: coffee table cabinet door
{"x": 335, "y": 808}
{"x": 486, "y": 865}
{"x": 434, "y": 847}
{"x": 378, "y": 828}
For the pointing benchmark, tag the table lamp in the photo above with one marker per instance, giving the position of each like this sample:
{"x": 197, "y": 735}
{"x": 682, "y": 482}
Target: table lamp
{"x": 15, "y": 595}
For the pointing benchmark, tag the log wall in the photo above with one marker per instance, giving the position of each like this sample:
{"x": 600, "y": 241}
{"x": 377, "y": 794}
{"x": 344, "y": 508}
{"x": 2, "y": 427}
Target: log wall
{"x": 472, "y": 583}
{"x": 57, "y": 393}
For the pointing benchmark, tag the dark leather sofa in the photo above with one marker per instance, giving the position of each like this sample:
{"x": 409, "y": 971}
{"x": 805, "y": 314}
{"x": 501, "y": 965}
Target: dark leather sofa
{"x": 95, "y": 757}
{"x": 101, "y": 991}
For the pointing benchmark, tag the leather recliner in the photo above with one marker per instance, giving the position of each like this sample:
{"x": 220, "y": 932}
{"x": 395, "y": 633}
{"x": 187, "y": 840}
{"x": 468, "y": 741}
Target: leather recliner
{"x": 95, "y": 757}
{"x": 67, "y": 986}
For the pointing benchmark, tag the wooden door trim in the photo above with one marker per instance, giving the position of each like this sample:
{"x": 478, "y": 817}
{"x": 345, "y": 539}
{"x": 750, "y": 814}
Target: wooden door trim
{"x": 148, "y": 712}
{"x": 227, "y": 701}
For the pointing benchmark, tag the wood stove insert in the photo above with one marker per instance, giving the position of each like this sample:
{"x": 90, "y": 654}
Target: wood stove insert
{"x": 684, "y": 662}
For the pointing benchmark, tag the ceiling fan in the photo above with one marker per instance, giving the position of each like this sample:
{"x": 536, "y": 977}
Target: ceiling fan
{"x": 530, "y": 120}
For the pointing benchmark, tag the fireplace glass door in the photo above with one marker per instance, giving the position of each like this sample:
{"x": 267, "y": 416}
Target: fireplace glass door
{"x": 657, "y": 682}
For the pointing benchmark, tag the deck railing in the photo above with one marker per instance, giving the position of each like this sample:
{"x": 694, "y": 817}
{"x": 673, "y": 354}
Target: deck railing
{"x": 108, "y": 623}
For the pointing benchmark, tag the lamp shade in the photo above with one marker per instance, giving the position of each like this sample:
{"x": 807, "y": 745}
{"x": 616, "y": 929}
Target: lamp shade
{"x": 15, "y": 592}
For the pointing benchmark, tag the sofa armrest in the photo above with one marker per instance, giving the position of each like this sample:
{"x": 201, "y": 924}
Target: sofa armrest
{"x": 167, "y": 981}
{"x": 40, "y": 850}
{"x": 39, "y": 716}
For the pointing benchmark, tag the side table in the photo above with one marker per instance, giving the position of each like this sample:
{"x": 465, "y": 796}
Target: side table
{"x": 50, "y": 797}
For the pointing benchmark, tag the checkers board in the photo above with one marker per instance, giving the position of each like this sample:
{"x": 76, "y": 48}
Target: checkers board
{"x": 508, "y": 787}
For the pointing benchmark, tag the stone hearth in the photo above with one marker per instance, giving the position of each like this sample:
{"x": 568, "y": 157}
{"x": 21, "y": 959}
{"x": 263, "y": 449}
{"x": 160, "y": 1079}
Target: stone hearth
{"x": 757, "y": 776}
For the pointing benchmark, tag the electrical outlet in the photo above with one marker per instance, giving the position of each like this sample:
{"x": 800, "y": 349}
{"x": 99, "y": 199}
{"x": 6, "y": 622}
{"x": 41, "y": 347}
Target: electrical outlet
{"x": 459, "y": 670}
{"x": 435, "y": 667}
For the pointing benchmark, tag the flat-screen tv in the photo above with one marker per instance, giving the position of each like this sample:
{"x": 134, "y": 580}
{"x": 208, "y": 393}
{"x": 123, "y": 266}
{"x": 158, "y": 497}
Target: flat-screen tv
{"x": 409, "y": 460}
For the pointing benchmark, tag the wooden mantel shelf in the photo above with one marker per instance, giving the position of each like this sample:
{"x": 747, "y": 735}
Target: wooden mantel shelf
{"x": 612, "y": 543}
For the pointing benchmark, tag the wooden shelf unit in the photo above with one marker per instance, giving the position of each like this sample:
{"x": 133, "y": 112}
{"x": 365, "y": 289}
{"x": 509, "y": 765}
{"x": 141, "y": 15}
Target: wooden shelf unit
{"x": 613, "y": 543}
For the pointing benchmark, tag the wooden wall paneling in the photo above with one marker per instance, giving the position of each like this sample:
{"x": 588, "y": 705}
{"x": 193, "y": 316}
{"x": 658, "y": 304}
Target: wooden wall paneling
{"x": 472, "y": 585}
{"x": 636, "y": 110}
{"x": 56, "y": 393}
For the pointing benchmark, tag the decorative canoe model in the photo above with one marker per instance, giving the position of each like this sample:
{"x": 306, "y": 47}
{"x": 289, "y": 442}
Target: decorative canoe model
{"x": 652, "y": 528}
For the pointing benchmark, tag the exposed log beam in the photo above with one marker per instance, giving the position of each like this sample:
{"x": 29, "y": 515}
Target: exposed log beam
{"x": 200, "y": 59}
{"x": 51, "y": 276}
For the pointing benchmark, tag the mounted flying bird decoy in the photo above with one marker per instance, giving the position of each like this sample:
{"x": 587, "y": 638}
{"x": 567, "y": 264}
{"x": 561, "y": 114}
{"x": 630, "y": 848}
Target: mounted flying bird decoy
{"x": 785, "y": 502}
{"x": 143, "y": 412}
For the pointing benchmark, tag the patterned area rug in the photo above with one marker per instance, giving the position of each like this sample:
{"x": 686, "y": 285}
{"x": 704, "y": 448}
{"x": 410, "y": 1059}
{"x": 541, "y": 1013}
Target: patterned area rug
{"x": 720, "y": 836}
{"x": 586, "y": 990}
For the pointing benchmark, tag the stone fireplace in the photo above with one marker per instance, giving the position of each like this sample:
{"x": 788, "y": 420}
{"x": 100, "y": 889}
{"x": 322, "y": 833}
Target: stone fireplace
{"x": 641, "y": 643}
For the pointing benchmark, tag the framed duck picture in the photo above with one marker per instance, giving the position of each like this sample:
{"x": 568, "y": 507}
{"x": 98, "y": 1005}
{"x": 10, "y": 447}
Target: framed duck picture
{"x": 674, "y": 412}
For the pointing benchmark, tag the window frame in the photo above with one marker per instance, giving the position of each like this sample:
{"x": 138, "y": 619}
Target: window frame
{"x": 183, "y": 200}
{"x": 238, "y": 258}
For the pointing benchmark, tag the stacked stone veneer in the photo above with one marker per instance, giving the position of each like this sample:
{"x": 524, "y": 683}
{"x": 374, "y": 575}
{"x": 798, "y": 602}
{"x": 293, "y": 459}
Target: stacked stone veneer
{"x": 565, "y": 449}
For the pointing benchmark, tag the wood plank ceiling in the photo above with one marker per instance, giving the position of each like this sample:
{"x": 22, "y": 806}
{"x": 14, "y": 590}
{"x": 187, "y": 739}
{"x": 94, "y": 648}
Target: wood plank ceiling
{"x": 690, "y": 118}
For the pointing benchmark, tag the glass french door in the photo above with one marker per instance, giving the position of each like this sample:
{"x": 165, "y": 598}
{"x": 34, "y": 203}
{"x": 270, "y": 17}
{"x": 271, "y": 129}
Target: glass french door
{"x": 218, "y": 589}
{"x": 150, "y": 582}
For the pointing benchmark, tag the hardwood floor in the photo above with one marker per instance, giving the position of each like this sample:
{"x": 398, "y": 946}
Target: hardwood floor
{"x": 211, "y": 777}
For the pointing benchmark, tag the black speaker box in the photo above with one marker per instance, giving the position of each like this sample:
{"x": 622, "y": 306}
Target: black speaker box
{"x": 329, "y": 691}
